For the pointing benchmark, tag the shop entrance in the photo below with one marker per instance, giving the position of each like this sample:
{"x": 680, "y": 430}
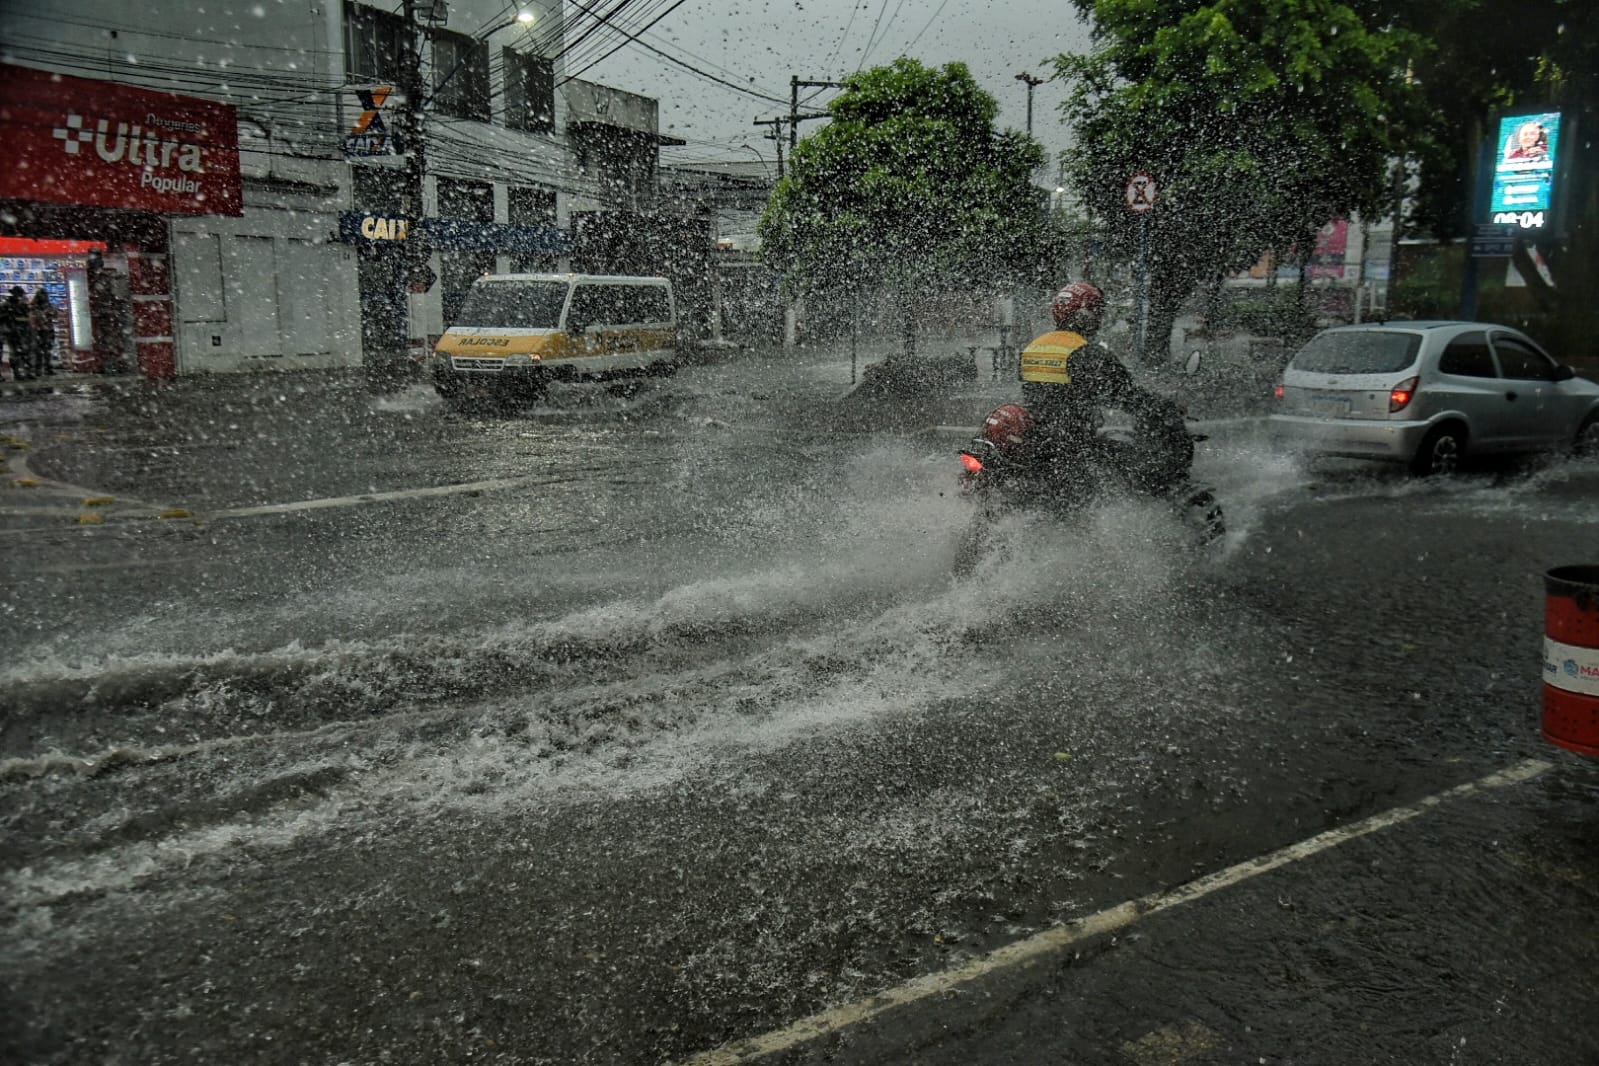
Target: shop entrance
{"x": 77, "y": 317}
{"x": 104, "y": 275}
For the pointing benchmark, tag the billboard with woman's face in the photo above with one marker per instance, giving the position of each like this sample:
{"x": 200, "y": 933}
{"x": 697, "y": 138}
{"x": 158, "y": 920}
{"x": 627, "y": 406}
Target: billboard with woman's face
{"x": 1524, "y": 170}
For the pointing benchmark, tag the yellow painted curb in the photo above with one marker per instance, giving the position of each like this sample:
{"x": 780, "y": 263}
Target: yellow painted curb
{"x": 99, "y": 501}
{"x": 177, "y": 512}
{"x": 91, "y": 518}
{"x": 26, "y": 482}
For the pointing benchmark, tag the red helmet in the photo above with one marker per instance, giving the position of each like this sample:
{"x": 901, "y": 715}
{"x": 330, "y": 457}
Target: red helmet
{"x": 1007, "y": 425}
{"x": 1078, "y": 305}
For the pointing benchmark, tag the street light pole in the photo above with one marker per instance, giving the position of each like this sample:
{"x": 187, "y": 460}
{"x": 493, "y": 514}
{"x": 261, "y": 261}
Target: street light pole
{"x": 1032, "y": 82}
{"x": 411, "y": 205}
{"x": 420, "y": 17}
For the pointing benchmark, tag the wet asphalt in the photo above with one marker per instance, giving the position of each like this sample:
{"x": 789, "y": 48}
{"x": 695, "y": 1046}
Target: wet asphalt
{"x": 679, "y": 734}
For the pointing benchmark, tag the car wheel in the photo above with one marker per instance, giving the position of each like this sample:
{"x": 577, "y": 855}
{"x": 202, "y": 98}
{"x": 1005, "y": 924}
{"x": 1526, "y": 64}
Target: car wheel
{"x": 1440, "y": 452}
{"x": 1586, "y": 444}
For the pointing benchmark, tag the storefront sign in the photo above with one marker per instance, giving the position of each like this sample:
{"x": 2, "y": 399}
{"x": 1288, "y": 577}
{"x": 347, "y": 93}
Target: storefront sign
{"x": 1332, "y": 246}
{"x": 104, "y": 144}
{"x": 356, "y": 227}
{"x": 374, "y": 135}
{"x": 453, "y": 234}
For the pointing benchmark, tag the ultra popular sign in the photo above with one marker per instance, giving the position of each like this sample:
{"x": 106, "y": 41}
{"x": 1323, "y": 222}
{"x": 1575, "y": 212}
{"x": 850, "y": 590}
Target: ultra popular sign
{"x": 77, "y": 141}
{"x": 1524, "y": 170}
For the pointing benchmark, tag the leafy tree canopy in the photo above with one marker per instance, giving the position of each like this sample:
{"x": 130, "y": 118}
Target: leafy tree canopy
{"x": 1261, "y": 120}
{"x": 1484, "y": 56}
{"x": 1505, "y": 55}
{"x": 910, "y": 186}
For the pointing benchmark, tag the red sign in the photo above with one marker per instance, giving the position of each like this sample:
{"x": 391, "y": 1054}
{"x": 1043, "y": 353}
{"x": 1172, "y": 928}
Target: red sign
{"x": 100, "y": 143}
{"x": 1332, "y": 243}
{"x": 1140, "y": 193}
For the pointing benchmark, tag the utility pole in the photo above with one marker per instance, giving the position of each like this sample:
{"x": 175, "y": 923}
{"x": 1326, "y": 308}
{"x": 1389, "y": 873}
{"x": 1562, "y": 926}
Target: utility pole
{"x": 1032, "y": 83}
{"x": 415, "y": 272}
{"x": 775, "y": 136}
{"x": 795, "y": 84}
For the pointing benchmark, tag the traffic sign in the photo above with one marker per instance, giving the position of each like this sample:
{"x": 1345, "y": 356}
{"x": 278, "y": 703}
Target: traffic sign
{"x": 1141, "y": 193}
{"x": 1493, "y": 242}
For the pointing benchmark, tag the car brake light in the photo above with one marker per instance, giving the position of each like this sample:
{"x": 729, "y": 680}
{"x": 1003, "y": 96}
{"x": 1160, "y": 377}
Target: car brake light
{"x": 1402, "y": 394}
{"x": 972, "y": 464}
{"x": 1278, "y": 391}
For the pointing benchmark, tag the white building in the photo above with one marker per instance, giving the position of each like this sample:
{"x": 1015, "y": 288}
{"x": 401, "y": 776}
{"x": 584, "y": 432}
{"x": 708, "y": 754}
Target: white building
{"x": 296, "y": 258}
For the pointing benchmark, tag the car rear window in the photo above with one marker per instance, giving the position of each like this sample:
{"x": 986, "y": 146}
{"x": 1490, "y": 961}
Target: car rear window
{"x": 1358, "y": 352}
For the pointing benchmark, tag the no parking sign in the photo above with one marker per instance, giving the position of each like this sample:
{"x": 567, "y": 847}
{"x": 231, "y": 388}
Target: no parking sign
{"x": 1141, "y": 192}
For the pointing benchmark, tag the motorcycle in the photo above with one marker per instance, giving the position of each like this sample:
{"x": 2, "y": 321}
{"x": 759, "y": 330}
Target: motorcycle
{"x": 1004, "y": 476}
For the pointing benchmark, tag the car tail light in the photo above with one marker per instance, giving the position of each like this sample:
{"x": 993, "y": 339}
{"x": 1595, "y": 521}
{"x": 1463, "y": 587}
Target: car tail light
{"x": 1278, "y": 391}
{"x": 1402, "y": 394}
{"x": 972, "y": 464}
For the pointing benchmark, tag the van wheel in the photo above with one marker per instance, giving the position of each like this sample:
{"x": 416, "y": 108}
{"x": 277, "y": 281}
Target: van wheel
{"x": 1440, "y": 452}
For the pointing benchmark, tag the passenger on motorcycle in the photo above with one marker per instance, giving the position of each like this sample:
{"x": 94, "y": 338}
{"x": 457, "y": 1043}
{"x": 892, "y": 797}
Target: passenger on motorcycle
{"x": 1068, "y": 380}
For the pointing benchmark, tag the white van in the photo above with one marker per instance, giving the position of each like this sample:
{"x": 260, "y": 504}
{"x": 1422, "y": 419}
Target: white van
{"x": 517, "y": 332}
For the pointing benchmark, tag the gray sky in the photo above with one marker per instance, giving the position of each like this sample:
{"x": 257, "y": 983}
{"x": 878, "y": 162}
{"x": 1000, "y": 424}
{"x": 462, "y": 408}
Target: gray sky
{"x": 761, "y": 43}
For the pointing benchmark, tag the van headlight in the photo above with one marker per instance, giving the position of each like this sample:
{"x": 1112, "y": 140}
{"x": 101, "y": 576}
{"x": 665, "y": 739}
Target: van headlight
{"x": 518, "y": 360}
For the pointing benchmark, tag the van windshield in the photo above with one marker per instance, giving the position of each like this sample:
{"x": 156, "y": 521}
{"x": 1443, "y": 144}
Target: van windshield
{"x": 514, "y": 305}
{"x": 1358, "y": 352}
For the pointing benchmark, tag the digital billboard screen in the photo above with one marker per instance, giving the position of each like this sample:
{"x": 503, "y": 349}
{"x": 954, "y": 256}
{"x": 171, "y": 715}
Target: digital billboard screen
{"x": 1524, "y": 169}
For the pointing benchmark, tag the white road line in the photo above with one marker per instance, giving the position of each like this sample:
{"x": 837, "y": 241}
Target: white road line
{"x": 1056, "y": 940}
{"x": 374, "y": 497}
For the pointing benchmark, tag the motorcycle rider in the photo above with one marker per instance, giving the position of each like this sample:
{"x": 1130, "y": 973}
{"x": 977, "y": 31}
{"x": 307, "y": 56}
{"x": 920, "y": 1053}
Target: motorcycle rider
{"x": 1068, "y": 379}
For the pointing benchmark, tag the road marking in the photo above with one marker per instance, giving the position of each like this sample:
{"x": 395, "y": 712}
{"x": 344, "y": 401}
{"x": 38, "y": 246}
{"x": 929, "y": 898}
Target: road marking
{"x": 1056, "y": 940}
{"x": 375, "y": 497}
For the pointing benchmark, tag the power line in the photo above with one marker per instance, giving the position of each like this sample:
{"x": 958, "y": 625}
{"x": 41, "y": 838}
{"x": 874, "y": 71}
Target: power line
{"x": 870, "y": 47}
{"x": 929, "y": 23}
{"x": 854, "y": 8}
{"x": 881, "y": 8}
{"x": 686, "y": 66}
{"x": 568, "y": 45}
{"x": 619, "y": 47}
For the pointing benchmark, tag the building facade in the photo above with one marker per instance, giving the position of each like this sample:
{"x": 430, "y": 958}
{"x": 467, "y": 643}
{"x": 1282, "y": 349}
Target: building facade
{"x": 287, "y": 247}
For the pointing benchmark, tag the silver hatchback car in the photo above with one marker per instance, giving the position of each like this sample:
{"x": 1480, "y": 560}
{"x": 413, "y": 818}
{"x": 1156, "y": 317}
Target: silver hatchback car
{"x": 1427, "y": 393}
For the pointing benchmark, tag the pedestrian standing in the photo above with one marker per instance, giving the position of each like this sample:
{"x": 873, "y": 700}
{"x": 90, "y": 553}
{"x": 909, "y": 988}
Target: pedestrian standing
{"x": 42, "y": 326}
{"x": 14, "y": 331}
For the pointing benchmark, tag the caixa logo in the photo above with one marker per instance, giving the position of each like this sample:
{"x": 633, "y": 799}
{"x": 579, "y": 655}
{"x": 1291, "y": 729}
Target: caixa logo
{"x": 139, "y": 146}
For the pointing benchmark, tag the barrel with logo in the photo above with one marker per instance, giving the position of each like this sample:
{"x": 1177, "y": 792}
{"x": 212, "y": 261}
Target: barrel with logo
{"x": 1571, "y": 658}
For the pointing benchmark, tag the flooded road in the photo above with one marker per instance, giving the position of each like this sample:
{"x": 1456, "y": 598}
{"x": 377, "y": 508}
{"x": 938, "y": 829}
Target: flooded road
{"x": 640, "y": 724}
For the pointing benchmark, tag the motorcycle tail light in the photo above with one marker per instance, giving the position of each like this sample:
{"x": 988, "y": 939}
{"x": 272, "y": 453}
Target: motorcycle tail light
{"x": 1278, "y": 391}
{"x": 1402, "y": 394}
{"x": 972, "y": 464}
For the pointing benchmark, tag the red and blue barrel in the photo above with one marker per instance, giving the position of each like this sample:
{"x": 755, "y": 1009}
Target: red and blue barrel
{"x": 1571, "y": 658}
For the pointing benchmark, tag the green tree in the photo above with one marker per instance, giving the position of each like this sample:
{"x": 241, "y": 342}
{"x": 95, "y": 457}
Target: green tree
{"x": 1495, "y": 55}
{"x": 910, "y": 189}
{"x": 1261, "y": 120}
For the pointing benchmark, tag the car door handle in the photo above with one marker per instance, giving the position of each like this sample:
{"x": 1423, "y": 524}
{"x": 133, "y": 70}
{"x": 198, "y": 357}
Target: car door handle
{"x": 1510, "y": 396}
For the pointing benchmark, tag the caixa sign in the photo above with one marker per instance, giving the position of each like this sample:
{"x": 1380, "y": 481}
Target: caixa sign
{"x": 357, "y": 227}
